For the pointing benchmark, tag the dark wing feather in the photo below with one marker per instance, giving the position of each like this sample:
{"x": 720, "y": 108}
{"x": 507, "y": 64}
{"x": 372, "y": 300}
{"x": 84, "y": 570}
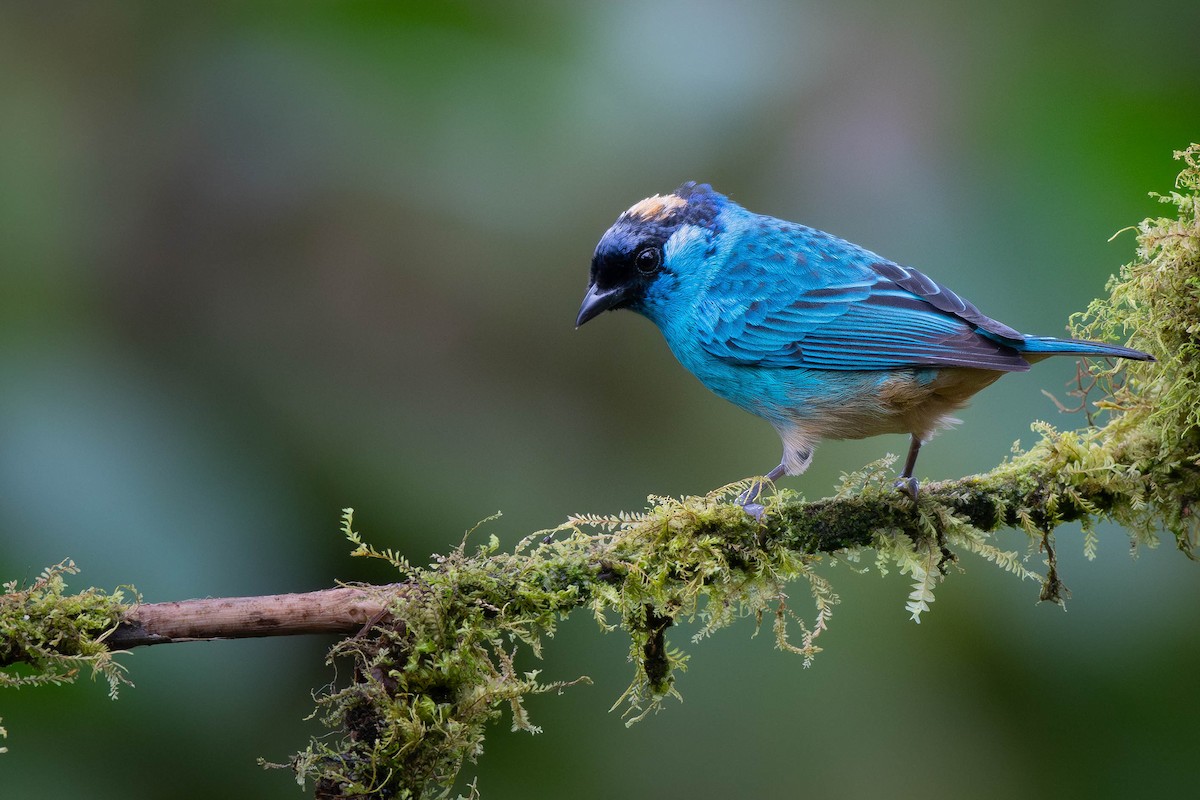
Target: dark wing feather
{"x": 828, "y": 304}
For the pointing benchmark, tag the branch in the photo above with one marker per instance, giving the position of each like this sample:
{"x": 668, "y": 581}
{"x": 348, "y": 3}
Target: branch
{"x": 987, "y": 503}
{"x": 344, "y": 610}
{"x": 434, "y": 655}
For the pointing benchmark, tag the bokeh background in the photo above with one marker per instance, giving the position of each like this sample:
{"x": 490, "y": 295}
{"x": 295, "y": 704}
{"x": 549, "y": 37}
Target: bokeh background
{"x": 260, "y": 262}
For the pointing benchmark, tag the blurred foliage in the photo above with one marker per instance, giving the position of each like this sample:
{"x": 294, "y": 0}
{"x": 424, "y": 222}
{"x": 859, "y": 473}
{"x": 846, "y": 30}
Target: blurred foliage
{"x": 263, "y": 261}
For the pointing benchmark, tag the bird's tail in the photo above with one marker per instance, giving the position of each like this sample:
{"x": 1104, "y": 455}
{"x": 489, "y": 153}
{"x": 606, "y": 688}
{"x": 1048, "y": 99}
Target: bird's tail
{"x": 1049, "y": 346}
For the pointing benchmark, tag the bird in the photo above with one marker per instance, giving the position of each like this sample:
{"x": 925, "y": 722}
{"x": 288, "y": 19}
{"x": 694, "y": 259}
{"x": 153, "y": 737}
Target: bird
{"x": 820, "y": 337}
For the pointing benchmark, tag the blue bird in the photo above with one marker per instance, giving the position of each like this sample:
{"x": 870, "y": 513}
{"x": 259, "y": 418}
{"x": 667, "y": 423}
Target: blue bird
{"x": 820, "y": 337}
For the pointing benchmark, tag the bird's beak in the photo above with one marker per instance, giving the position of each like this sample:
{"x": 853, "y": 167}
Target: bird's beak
{"x": 597, "y": 300}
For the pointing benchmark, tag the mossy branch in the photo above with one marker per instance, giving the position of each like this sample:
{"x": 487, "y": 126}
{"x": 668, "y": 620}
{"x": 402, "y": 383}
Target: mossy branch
{"x": 435, "y": 655}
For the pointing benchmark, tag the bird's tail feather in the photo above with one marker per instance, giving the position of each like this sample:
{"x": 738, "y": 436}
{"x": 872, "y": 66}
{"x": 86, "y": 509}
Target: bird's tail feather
{"x": 1050, "y": 346}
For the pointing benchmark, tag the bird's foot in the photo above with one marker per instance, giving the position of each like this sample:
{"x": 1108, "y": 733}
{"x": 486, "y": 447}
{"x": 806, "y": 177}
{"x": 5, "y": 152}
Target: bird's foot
{"x": 909, "y": 486}
{"x": 755, "y": 510}
{"x": 749, "y": 498}
{"x": 749, "y": 501}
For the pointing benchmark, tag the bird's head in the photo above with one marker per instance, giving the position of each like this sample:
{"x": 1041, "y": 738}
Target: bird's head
{"x": 647, "y": 251}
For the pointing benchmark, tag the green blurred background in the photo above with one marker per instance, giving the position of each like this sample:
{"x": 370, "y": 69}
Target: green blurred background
{"x": 261, "y": 262}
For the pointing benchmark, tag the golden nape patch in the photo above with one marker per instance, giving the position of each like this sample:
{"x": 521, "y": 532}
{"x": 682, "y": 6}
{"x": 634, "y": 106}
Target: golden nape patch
{"x": 657, "y": 207}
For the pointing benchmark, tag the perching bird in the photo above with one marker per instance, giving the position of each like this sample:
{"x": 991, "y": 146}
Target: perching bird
{"x": 818, "y": 336}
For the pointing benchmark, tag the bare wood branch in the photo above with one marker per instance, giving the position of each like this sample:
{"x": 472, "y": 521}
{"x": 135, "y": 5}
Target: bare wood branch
{"x": 343, "y": 610}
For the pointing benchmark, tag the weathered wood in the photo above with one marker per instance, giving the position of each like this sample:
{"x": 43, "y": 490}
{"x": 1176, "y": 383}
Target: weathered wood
{"x": 343, "y": 610}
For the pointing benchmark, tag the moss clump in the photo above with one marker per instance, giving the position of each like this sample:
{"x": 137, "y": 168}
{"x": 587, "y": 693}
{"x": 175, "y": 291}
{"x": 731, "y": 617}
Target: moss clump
{"x": 696, "y": 558}
{"x": 48, "y": 636}
{"x": 1155, "y": 300}
{"x": 429, "y": 677}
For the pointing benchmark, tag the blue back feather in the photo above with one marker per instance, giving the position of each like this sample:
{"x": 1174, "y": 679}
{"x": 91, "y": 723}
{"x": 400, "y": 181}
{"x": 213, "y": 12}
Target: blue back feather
{"x": 789, "y": 296}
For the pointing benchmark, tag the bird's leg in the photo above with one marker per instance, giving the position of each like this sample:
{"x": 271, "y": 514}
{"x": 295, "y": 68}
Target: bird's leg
{"x": 747, "y": 498}
{"x": 906, "y": 482}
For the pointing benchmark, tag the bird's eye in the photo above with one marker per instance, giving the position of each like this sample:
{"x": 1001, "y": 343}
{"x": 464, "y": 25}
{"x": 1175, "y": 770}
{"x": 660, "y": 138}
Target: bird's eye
{"x": 647, "y": 260}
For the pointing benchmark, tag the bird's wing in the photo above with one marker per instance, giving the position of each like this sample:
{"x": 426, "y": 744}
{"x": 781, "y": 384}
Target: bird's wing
{"x": 807, "y": 299}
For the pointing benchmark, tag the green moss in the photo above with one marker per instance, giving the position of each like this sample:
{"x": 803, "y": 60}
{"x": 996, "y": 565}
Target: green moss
{"x": 48, "y": 636}
{"x": 429, "y": 678}
{"x": 1155, "y": 437}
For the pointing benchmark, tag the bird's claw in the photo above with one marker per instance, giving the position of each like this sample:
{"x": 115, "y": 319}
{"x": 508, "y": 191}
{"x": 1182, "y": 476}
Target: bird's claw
{"x": 755, "y": 510}
{"x": 909, "y": 486}
{"x": 748, "y": 500}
